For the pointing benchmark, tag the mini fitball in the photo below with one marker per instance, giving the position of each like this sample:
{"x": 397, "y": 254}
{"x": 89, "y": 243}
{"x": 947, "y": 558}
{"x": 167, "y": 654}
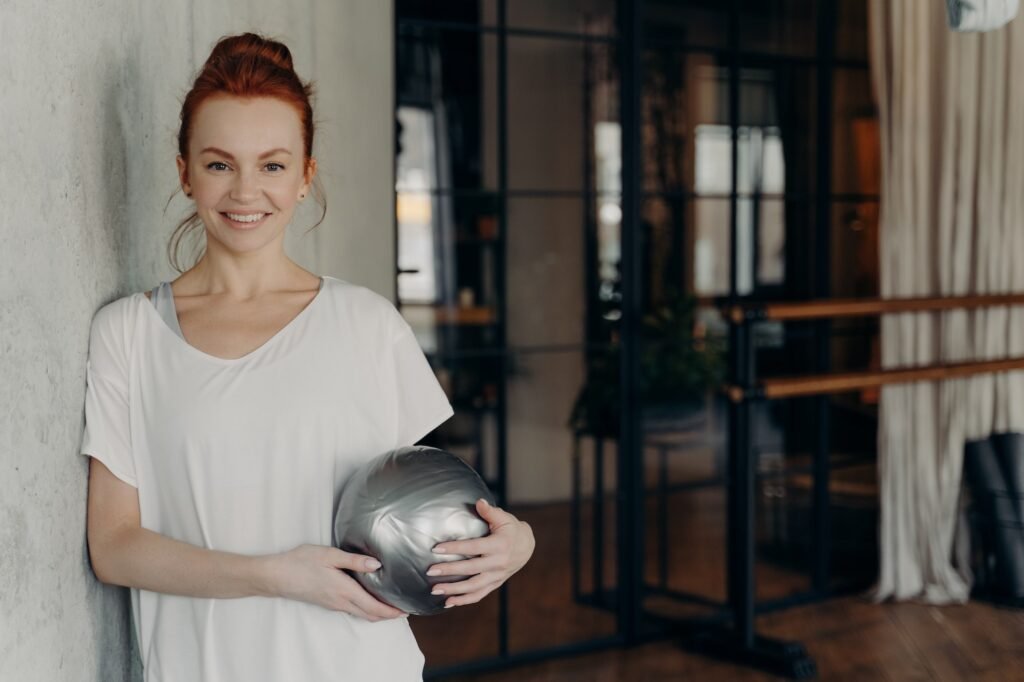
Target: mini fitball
{"x": 396, "y": 508}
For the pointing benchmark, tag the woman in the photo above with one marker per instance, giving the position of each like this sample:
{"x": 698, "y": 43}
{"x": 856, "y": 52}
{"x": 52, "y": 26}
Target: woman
{"x": 225, "y": 410}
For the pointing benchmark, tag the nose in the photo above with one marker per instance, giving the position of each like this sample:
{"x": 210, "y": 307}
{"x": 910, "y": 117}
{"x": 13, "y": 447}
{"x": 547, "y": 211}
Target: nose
{"x": 246, "y": 186}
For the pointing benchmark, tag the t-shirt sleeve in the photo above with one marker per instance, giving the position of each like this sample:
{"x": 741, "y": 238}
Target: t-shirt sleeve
{"x": 107, "y": 435}
{"x": 421, "y": 404}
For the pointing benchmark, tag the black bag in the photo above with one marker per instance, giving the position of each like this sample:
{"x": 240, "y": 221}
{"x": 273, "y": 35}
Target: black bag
{"x": 994, "y": 471}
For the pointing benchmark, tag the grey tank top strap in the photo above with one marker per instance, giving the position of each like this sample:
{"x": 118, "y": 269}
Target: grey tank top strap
{"x": 162, "y": 297}
{"x": 163, "y": 300}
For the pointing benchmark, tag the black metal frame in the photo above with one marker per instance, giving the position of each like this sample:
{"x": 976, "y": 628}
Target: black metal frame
{"x": 730, "y": 633}
{"x": 505, "y": 658}
{"x": 729, "y": 630}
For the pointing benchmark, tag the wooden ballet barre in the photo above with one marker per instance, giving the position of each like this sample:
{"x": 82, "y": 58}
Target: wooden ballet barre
{"x": 822, "y": 384}
{"x": 862, "y": 307}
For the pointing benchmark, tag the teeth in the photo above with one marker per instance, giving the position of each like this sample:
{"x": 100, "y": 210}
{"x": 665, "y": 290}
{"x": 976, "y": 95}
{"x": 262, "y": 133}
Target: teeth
{"x": 246, "y": 218}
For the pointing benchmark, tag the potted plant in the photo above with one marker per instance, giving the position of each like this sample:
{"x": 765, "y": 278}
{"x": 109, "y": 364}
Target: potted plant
{"x": 678, "y": 365}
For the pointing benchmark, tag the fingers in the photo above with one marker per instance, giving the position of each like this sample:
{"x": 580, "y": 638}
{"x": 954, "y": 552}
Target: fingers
{"x": 468, "y": 599}
{"x": 464, "y": 567}
{"x": 356, "y": 610}
{"x": 352, "y": 609}
{"x": 472, "y": 596}
{"x": 372, "y": 608}
{"x": 486, "y": 581}
{"x": 359, "y": 602}
{"x": 354, "y": 562}
{"x": 503, "y": 527}
{"x": 489, "y": 544}
{"x": 495, "y": 516}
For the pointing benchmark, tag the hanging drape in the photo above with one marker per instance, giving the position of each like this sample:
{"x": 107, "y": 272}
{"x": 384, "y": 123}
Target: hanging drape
{"x": 951, "y": 117}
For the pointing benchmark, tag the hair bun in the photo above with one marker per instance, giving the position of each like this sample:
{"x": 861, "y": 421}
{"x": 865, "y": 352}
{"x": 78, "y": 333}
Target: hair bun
{"x": 253, "y": 46}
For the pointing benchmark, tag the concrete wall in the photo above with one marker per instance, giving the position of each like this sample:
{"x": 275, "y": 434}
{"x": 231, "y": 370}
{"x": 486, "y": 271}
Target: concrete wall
{"x": 89, "y": 106}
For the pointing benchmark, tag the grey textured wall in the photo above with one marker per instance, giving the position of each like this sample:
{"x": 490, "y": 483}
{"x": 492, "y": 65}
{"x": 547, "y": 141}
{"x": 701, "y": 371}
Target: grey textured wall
{"x": 89, "y": 98}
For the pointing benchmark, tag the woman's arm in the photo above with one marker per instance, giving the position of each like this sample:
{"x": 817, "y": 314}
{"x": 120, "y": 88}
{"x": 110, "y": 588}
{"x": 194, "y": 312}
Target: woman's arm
{"x": 124, "y": 553}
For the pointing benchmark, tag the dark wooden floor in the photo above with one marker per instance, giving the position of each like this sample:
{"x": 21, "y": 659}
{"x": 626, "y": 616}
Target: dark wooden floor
{"x": 849, "y": 638}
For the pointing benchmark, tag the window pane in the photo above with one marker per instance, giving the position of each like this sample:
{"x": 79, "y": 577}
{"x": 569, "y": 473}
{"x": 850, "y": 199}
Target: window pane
{"x": 788, "y": 244}
{"x": 595, "y": 17}
{"x": 760, "y": 158}
{"x": 562, "y": 88}
{"x": 779, "y": 26}
{"x": 778, "y": 119}
{"x": 468, "y": 11}
{"x": 546, "y": 456}
{"x": 452, "y": 76}
{"x": 685, "y": 130}
{"x": 545, "y": 275}
{"x": 762, "y": 165}
{"x": 784, "y": 500}
{"x": 606, "y": 249}
{"x": 687, "y": 243}
{"x": 697, "y": 24}
{"x": 684, "y": 422}
{"x": 765, "y": 219}
{"x": 447, "y": 248}
{"x": 418, "y": 276}
{"x": 685, "y": 246}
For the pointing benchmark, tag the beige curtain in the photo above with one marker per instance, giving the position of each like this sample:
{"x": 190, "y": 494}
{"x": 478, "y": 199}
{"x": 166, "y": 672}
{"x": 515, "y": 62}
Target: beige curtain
{"x": 951, "y": 115}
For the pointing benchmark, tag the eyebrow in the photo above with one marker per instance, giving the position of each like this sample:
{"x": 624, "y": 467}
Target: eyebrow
{"x": 264, "y": 155}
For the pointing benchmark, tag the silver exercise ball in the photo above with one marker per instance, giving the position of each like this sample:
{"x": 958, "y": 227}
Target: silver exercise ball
{"x": 399, "y": 505}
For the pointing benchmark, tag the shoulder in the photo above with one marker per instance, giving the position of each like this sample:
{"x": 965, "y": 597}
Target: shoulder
{"x": 372, "y": 313}
{"x": 117, "y": 313}
{"x": 110, "y": 334}
{"x": 360, "y": 300}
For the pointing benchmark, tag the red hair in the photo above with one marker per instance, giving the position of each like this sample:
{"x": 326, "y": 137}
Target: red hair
{"x": 246, "y": 65}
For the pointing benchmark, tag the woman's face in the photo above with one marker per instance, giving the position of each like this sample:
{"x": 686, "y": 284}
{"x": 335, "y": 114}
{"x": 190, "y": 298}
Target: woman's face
{"x": 245, "y": 169}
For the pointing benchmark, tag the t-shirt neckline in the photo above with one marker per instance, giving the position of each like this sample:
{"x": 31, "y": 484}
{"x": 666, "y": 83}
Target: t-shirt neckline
{"x": 254, "y": 352}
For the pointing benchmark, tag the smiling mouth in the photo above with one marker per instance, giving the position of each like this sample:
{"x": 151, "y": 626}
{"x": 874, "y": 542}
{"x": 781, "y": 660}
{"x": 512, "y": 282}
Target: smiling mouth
{"x": 244, "y": 220}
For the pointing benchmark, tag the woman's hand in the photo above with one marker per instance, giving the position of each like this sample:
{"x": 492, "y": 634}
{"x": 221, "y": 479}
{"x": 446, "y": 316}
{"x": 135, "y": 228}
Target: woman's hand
{"x": 495, "y": 557}
{"x": 312, "y": 573}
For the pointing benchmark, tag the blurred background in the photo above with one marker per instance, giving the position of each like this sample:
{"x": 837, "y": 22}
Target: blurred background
{"x": 757, "y": 161}
{"x": 586, "y": 210}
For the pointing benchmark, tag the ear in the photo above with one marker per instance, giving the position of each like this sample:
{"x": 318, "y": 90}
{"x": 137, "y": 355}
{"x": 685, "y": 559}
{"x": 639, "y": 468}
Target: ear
{"x": 308, "y": 176}
{"x": 183, "y": 174}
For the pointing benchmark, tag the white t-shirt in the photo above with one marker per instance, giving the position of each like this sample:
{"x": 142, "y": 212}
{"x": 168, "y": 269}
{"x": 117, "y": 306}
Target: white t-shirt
{"x": 248, "y": 455}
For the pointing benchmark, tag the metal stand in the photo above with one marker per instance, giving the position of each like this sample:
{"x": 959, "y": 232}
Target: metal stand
{"x": 739, "y": 642}
{"x": 788, "y": 659}
{"x": 735, "y": 641}
{"x": 599, "y": 595}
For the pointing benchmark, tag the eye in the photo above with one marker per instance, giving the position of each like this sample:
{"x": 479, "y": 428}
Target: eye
{"x": 274, "y": 166}
{"x": 217, "y": 165}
